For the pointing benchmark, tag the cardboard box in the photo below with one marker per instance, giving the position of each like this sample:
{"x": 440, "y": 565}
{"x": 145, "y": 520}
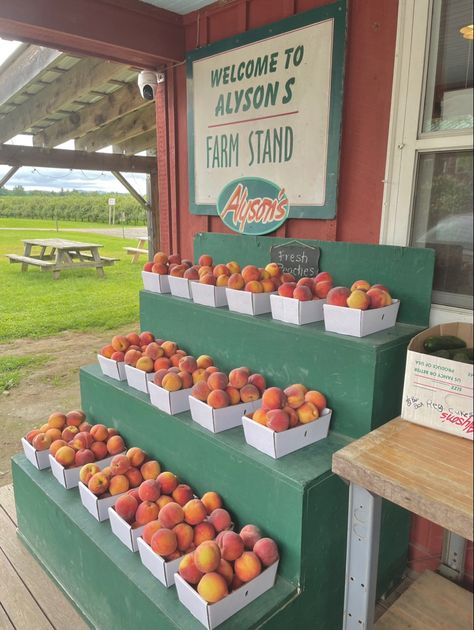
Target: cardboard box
{"x": 180, "y": 287}
{"x": 138, "y": 379}
{"x": 111, "y": 368}
{"x": 357, "y": 323}
{"x": 212, "y": 615}
{"x": 293, "y": 311}
{"x": 69, "y": 477}
{"x": 158, "y": 567}
{"x": 155, "y": 282}
{"x": 170, "y": 402}
{"x": 247, "y": 302}
{"x": 96, "y": 505}
{"x": 209, "y": 295}
{"x": 217, "y": 420}
{"x": 39, "y": 459}
{"x": 124, "y": 531}
{"x": 437, "y": 392}
{"x": 279, "y": 444}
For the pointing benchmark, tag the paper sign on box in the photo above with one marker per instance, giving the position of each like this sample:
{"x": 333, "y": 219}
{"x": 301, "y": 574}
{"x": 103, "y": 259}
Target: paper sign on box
{"x": 96, "y": 505}
{"x": 209, "y": 295}
{"x": 170, "y": 402}
{"x": 356, "y": 323}
{"x": 138, "y": 379}
{"x": 124, "y": 531}
{"x": 279, "y": 444}
{"x": 180, "y": 287}
{"x": 162, "y": 570}
{"x": 155, "y": 282}
{"x": 111, "y": 368}
{"x": 217, "y": 420}
{"x": 247, "y": 302}
{"x": 39, "y": 459}
{"x": 69, "y": 477}
{"x": 212, "y": 615}
{"x": 292, "y": 311}
{"x": 438, "y": 392}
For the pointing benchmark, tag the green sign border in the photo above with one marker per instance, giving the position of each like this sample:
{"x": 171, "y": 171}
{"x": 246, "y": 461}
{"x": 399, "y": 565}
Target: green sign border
{"x": 336, "y": 11}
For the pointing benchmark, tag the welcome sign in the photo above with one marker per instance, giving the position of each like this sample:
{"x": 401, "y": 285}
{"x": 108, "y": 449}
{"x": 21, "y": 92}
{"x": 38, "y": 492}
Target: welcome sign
{"x": 264, "y": 115}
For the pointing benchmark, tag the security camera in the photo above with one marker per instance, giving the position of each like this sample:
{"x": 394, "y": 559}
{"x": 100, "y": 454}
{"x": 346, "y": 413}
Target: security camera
{"x": 148, "y": 82}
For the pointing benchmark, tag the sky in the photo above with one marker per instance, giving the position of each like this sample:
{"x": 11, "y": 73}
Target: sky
{"x": 50, "y": 179}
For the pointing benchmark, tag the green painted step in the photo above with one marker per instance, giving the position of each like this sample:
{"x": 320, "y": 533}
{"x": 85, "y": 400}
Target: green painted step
{"x": 362, "y": 377}
{"x": 105, "y": 580}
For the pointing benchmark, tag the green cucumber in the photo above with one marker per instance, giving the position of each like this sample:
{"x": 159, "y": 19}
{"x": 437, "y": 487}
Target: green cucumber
{"x": 442, "y": 342}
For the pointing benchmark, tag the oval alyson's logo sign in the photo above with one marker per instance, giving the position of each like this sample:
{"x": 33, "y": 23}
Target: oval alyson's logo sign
{"x": 253, "y": 206}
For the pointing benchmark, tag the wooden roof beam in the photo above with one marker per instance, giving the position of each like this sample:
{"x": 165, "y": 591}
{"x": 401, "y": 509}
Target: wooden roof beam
{"x": 16, "y": 155}
{"x": 127, "y": 31}
{"x": 85, "y": 75}
{"x": 128, "y": 126}
{"x": 137, "y": 144}
{"x": 102, "y": 112}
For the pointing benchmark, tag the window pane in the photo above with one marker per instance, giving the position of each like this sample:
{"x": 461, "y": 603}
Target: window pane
{"x": 449, "y": 82}
{"x": 443, "y": 220}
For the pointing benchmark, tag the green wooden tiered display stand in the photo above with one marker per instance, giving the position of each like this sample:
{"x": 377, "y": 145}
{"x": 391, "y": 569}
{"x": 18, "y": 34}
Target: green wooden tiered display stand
{"x": 296, "y": 500}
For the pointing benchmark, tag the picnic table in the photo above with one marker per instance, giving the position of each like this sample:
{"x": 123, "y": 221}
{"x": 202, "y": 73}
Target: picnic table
{"x": 56, "y": 254}
{"x": 141, "y": 248}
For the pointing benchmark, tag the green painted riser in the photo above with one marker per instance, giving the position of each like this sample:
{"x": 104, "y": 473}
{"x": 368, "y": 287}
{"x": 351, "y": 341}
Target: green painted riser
{"x": 363, "y": 378}
{"x": 106, "y": 581}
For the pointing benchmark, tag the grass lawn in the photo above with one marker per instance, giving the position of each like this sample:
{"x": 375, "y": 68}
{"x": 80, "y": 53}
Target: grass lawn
{"x": 47, "y": 223}
{"x": 32, "y": 304}
{"x": 12, "y": 368}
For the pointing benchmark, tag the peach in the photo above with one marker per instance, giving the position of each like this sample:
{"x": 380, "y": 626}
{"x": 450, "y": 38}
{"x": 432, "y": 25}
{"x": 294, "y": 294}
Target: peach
{"x": 107, "y": 471}
{"x": 118, "y": 485}
{"x": 292, "y": 415}
{"x": 182, "y": 494}
{"x": 184, "y": 535}
{"x": 133, "y": 338}
{"x": 207, "y": 556}
{"x": 163, "y": 500}
{"x": 118, "y": 356}
{"x": 107, "y": 351}
{"x": 267, "y": 551}
{"x": 191, "y": 274}
{"x": 307, "y": 413}
{"x": 34, "y": 432}
{"x": 134, "y": 477}
{"x": 168, "y": 482}
{"x": 131, "y": 357}
{"x": 318, "y": 399}
{"x": 112, "y": 431}
{"x": 126, "y": 507}
{"x": 172, "y": 382}
{"x": 233, "y": 267}
{"x": 295, "y": 396}
{"x": 218, "y": 380}
{"x": 273, "y": 269}
{"x": 120, "y": 343}
{"x": 238, "y": 377}
{"x": 99, "y": 432}
{"x": 99, "y": 449}
{"x": 250, "y": 272}
{"x": 133, "y": 493}
{"x": 234, "y": 395}
{"x": 205, "y": 260}
{"x": 57, "y": 420}
{"x": 278, "y": 420}
{"x": 160, "y": 258}
{"x": 260, "y": 416}
{"x": 87, "y": 471}
{"x": 220, "y": 270}
{"x": 164, "y": 541}
{"x": 218, "y": 399}
{"x": 150, "y": 469}
{"x": 222, "y": 281}
{"x": 259, "y": 381}
{"x": 194, "y": 511}
{"x": 115, "y": 445}
{"x": 53, "y": 434}
{"x": 273, "y": 398}
{"x": 250, "y": 534}
{"x": 204, "y": 361}
{"x": 44, "y": 427}
{"x": 75, "y": 417}
{"x": 323, "y": 276}
{"x": 84, "y": 456}
{"x": 169, "y": 348}
{"x": 303, "y": 293}
{"x": 186, "y": 379}
{"x": 136, "y": 456}
{"x": 159, "y": 375}
{"x": 203, "y": 531}
{"x": 286, "y": 289}
{"x": 287, "y": 277}
{"x": 119, "y": 464}
{"x": 85, "y": 438}
{"x": 236, "y": 282}
{"x": 149, "y": 490}
{"x": 381, "y": 287}
{"x": 149, "y": 529}
{"x": 212, "y": 501}
{"x": 160, "y": 269}
{"x": 212, "y": 587}
{"x": 254, "y": 286}
{"x": 174, "y": 259}
{"x": 321, "y": 289}
{"x": 188, "y": 571}
{"x": 146, "y": 364}
{"x": 85, "y": 426}
{"x": 378, "y": 298}
{"x": 56, "y": 445}
{"x": 362, "y": 285}
{"x": 199, "y": 375}
{"x": 148, "y": 266}
{"x": 146, "y": 512}
{"x": 204, "y": 270}
{"x": 231, "y": 546}
{"x": 98, "y": 484}
{"x": 154, "y": 351}
{"x": 65, "y": 456}
{"x": 163, "y": 363}
{"x": 211, "y": 370}
{"x": 170, "y": 515}
{"x": 249, "y": 393}
{"x": 358, "y": 299}
{"x": 338, "y": 296}
{"x": 177, "y": 271}
{"x": 248, "y": 566}
{"x": 188, "y": 364}
{"x": 220, "y": 518}
{"x": 42, "y": 442}
{"x": 207, "y": 278}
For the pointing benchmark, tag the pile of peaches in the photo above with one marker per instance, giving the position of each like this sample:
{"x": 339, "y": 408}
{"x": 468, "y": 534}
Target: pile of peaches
{"x": 362, "y": 295}
{"x": 167, "y": 265}
{"x": 307, "y": 289}
{"x": 138, "y": 350}
{"x": 284, "y": 409}
{"x": 182, "y": 371}
{"x": 222, "y": 390}
{"x": 73, "y": 441}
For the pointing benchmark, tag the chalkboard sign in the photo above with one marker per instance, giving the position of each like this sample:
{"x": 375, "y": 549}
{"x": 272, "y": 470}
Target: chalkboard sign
{"x": 297, "y": 258}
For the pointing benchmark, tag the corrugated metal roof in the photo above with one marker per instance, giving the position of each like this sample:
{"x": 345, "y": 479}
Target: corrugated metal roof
{"x": 180, "y": 6}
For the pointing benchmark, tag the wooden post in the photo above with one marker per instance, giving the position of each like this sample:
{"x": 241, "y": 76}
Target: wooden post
{"x": 153, "y": 215}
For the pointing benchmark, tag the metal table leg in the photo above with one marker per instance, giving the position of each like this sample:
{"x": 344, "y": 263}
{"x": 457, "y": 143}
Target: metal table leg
{"x": 363, "y": 534}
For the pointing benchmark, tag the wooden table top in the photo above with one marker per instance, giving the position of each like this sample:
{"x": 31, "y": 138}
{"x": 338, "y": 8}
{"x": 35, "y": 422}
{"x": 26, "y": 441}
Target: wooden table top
{"x": 59, "y": 243}
{"x": 427, "y": 472}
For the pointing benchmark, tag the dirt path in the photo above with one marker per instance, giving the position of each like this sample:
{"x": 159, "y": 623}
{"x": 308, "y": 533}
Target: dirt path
{"x": 54, "y": 386}
{"x": 126, "y": 232}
